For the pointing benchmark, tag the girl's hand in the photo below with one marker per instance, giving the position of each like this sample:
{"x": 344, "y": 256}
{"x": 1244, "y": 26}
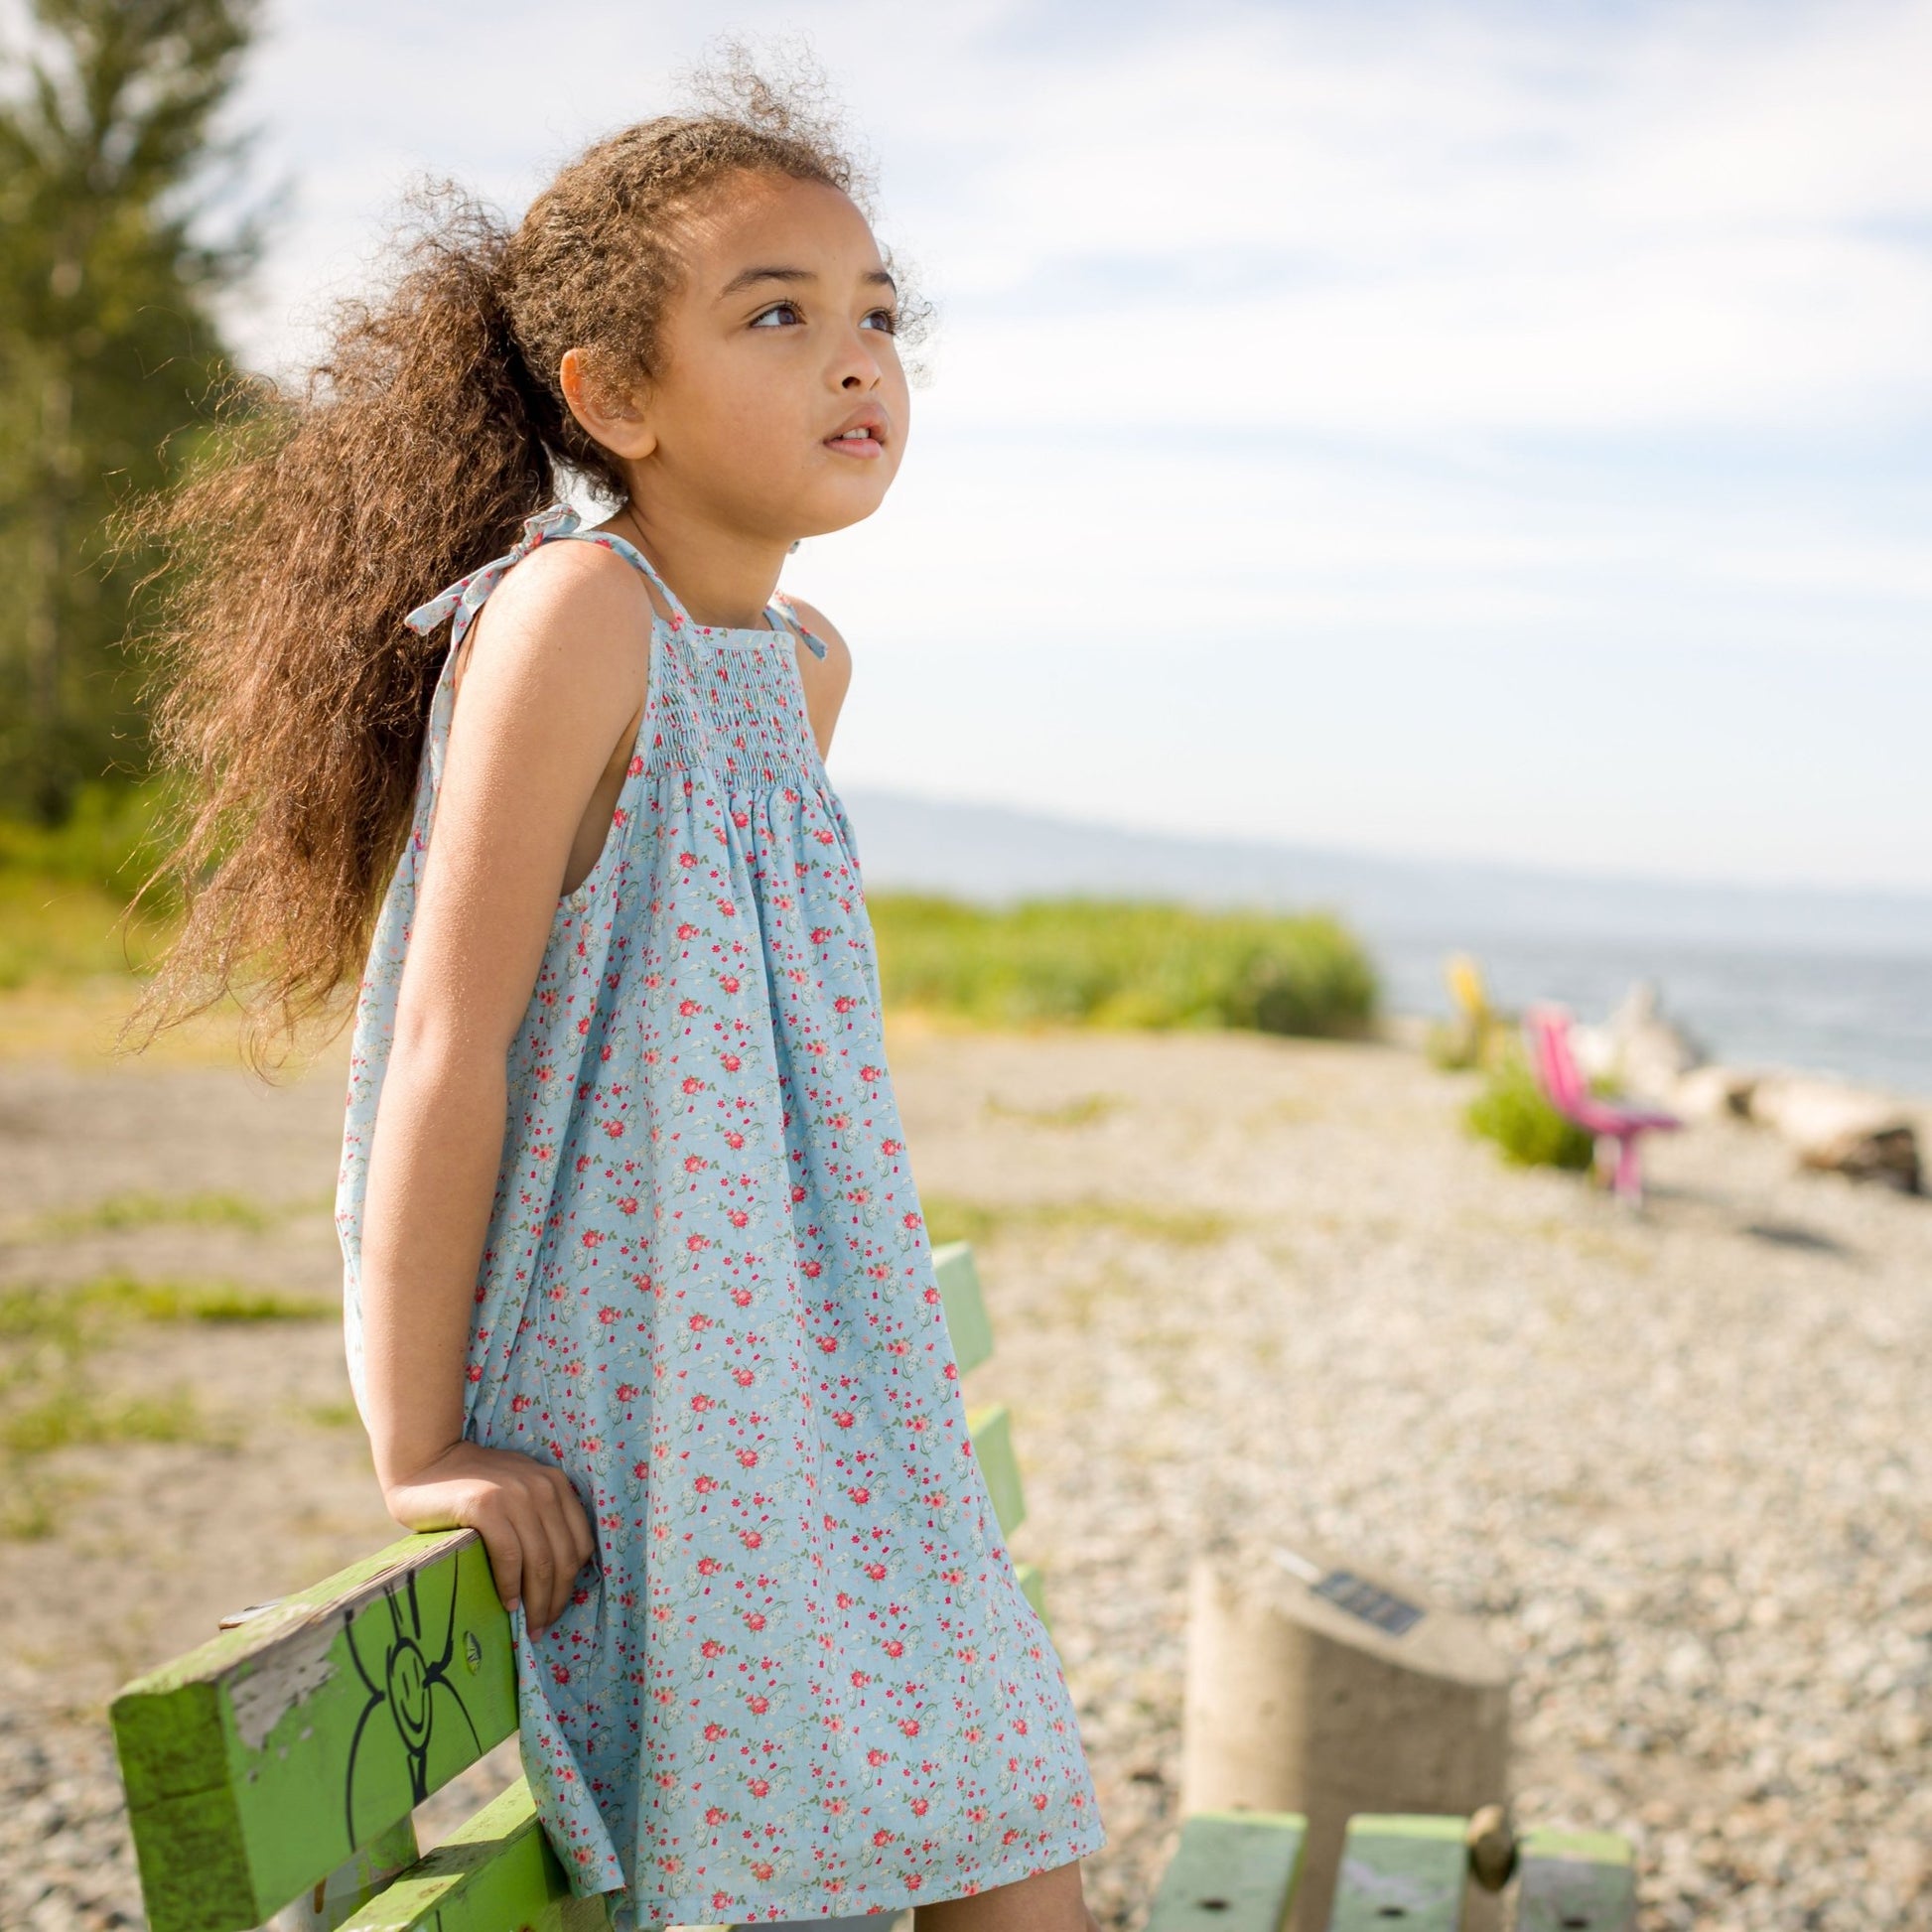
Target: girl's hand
{"x": 527, "y": 1512}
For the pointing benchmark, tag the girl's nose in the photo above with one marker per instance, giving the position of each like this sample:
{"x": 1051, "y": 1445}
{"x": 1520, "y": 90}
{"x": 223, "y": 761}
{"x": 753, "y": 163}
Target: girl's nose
{"x": 859, "y": 369}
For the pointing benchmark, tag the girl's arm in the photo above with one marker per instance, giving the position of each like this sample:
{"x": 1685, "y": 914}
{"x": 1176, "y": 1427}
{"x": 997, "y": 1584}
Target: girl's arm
{"x": 556, "y": 664}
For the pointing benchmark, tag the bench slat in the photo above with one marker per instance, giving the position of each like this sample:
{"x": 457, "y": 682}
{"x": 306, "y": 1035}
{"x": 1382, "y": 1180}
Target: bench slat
{"x": 1576, "y": 1881}
{"x": 990, "y": 1428}
{"x": 1234, "y": 1871}
{"x": 1401, "y": 1875}
{"x": 260, "y": 1763}
{"x": 495, "y": 1871}
{"x": 967, "y": 1322}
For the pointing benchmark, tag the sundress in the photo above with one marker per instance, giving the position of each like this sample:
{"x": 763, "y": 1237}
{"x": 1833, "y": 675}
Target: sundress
{"x": 800, "y": 1678}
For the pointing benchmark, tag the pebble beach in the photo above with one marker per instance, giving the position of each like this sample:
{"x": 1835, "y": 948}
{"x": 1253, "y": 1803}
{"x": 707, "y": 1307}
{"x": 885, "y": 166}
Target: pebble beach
{"x": 1673, "y": 1462}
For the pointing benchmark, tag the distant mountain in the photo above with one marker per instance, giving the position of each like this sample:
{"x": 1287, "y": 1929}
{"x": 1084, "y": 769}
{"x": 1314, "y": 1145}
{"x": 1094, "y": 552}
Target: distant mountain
{"x": 993, "y": 853}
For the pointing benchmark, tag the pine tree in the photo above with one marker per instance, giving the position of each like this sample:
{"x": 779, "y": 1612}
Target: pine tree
{"x": 110, "y": 171}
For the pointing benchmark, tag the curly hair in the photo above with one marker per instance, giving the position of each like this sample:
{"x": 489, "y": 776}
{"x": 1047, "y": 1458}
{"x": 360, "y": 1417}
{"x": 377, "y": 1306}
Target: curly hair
{"x": 293, "y": 700}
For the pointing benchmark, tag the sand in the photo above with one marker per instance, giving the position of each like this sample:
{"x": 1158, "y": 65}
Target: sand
{"x": 1676, "y": 1462}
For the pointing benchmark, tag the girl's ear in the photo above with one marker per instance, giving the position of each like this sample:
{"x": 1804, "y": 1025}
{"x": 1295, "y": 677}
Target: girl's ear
{"x": 616, "y": 421}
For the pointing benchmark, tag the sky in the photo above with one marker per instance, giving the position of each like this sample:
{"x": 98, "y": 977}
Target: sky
{"x": 1492, "y": 431}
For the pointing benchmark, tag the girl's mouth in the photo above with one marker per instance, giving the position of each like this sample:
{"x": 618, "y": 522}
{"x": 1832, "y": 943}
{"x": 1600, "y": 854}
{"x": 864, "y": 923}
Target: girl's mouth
{"x": 859, "y": 442}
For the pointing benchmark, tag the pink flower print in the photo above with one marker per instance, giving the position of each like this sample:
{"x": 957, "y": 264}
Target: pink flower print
{"x": 608, "y": 1316}
{"x": 711, "y": 1647}
{"x": 758, "y": 1787}
{"x": 689, "y": 1007}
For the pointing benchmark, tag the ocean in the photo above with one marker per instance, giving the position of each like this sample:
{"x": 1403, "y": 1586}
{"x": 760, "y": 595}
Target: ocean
{"x": 1805, "y": 977}
{"x": 1867, "y": 1017}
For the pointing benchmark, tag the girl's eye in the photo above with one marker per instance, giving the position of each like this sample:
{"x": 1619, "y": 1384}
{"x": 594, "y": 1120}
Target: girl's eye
{"x": 884, "y": 319}
{"x": 765, "y": 320}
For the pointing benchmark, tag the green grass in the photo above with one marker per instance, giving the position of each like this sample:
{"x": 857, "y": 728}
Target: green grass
{"x": 140, "y": 1209}
{"x": 49, "y": 1400}
{"x": 1513, "y": 1112}
{"x": 1122, "y": 963}
{"x": 64, "y": 892}
{"x": 74, "y": 1416}
{"x": 93, "y": 1310}
{"x": 1081, "y": 1111}
{"x": 952, "y": 1219}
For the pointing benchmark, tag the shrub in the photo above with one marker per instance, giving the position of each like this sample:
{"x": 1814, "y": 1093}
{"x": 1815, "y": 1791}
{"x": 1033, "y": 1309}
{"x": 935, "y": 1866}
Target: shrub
{"x": 1511, "y": 1110}
{"x": 1122, "y": 963}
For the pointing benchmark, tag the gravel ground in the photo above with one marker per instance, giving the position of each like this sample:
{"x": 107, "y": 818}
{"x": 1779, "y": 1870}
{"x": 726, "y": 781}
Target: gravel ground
{"x": 1673, "y": 1462}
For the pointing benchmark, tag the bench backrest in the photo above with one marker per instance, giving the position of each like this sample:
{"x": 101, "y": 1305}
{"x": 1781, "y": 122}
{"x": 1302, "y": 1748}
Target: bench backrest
{"x": 286, "y": 1756}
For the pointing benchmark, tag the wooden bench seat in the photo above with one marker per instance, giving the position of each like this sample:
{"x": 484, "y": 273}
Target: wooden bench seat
{"x": 276, "y": 1770}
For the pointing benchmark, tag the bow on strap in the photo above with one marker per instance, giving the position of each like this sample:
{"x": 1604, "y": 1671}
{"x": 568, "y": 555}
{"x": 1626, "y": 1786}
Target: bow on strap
{"x": 466, "y": 593}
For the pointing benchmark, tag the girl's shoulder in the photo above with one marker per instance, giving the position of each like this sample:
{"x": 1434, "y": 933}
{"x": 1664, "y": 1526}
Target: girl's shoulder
{"x": 570, "y": 609}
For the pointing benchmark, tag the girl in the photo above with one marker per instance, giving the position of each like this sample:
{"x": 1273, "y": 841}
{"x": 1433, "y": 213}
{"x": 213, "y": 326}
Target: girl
{"x": 637, "y": 1280}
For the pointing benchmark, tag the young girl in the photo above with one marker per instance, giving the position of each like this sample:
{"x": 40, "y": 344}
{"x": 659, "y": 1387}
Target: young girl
{"x": 637, "y": 1279}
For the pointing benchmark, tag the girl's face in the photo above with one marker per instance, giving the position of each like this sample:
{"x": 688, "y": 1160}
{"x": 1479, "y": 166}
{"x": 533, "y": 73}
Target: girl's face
{"x": 780, "y": 408}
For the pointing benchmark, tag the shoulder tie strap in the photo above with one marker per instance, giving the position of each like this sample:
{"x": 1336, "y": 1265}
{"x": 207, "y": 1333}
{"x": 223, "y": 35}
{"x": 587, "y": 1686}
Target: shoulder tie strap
{"x": 780, "y": 607}
{"x": 466, "y": 595}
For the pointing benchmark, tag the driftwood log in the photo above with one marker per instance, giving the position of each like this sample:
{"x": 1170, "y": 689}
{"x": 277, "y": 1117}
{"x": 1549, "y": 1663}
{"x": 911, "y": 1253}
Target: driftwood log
{"x": 1840, "y": 1128}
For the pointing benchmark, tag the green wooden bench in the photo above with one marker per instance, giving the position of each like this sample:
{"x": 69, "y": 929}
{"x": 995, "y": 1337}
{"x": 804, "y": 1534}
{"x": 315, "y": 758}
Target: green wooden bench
{"x": 1236, "y": 1872}
{"x": 282, "y": 1763}
{"x": 278, "y": 1766}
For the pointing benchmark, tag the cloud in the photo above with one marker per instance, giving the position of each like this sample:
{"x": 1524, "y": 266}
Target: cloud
{"x": 1403, "y": 333}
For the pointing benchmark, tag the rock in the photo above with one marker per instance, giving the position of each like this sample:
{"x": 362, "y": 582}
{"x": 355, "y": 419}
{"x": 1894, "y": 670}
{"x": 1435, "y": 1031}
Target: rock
{"x": 1650, "y": 1053}
{"x": 1841, "y": 1128}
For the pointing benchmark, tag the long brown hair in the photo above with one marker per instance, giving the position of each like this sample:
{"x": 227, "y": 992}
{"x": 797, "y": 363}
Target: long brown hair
{"x": 293, "y": 699}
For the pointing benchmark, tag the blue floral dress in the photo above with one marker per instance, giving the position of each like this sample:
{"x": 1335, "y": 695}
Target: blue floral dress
{"x": 800, "y": 1678}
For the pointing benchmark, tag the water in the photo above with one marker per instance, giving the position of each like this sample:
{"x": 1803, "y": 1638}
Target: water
{"x": 1831, "y": 982}
{"x": 1867, "y": 1017}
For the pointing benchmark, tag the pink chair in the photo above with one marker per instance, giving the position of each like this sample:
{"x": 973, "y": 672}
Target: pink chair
{"x": 1564, "y": 1086}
